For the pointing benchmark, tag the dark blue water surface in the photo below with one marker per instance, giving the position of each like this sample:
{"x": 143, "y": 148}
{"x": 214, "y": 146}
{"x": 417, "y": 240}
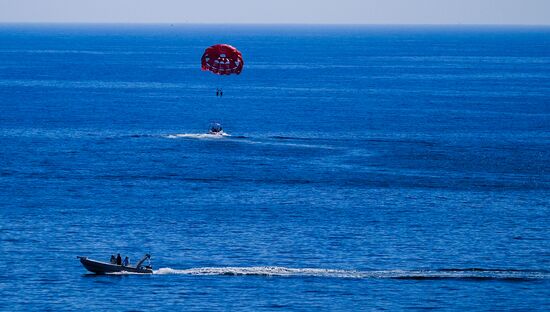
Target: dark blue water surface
{"x": 368, "y": 168}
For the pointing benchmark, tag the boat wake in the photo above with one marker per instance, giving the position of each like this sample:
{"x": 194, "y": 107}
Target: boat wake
{"x": 199, "y": 136}
{"x": 440, "y": 274}
{"x": 270, "y": 141}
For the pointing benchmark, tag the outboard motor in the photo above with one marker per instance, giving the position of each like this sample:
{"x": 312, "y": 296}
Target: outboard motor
{"x": 146, "y": 257}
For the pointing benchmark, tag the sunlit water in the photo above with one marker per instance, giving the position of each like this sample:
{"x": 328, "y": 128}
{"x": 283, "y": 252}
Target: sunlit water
{"x": 362, "y": 168}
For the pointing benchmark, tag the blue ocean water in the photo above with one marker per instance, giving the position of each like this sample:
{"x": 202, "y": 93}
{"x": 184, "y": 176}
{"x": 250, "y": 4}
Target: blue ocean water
{"x": 367, "y": 168}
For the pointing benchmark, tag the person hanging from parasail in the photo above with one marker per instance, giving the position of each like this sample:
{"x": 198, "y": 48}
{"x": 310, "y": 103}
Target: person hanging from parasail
{"x": 222, "y": 59}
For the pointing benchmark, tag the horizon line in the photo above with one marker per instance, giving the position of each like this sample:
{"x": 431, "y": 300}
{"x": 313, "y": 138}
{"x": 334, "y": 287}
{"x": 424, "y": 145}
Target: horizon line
{"x": 267, "y": 24}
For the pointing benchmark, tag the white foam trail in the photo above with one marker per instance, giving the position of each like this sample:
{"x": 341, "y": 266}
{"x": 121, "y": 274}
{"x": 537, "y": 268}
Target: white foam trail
{"x": 123, "y": 273}
{"x": 261, "y": 271}
{"x": 477, "y": 274}
{"x": 208, "y": 136}
{"x": 197, "y": 136}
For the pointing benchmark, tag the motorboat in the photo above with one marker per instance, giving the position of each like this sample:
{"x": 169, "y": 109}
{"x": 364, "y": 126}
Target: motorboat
{"x": 216, "y": 129}
{"x": 100, "y": 267}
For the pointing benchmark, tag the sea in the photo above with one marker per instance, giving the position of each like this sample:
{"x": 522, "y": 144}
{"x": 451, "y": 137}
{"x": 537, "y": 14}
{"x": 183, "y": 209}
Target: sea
{"x": 363, "y": 168}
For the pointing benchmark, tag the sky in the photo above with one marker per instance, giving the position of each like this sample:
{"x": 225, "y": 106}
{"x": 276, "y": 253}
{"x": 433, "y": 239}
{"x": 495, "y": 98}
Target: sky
{"x": 527, "y": 12}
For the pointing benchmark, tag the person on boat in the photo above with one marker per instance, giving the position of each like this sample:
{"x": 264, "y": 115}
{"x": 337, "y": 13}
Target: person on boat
{"x": 113, "y": 259}
{"x": 126, "y": 261}
{"x": 215, "y": 128}
{"x": 118, "y": 259}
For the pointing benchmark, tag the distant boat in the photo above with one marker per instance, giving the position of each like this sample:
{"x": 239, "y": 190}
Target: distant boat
{"x": 216, "y": 129}
{"x": 100, "y": 267}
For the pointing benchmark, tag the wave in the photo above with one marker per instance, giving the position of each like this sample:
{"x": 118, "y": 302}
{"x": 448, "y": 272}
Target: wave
{"x": 282, "y": 137}
{"x": 474, "y": 274}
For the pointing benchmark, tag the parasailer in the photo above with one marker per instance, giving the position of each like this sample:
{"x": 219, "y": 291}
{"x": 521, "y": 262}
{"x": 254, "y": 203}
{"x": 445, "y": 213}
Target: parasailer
{"x": 221, "y": 59}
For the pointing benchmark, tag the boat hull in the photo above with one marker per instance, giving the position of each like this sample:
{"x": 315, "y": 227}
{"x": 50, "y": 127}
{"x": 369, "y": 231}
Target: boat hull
{"x": 99, "y": 267}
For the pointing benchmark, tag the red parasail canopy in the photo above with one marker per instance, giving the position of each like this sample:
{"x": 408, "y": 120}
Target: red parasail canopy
{"x": 222, "y": 59}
